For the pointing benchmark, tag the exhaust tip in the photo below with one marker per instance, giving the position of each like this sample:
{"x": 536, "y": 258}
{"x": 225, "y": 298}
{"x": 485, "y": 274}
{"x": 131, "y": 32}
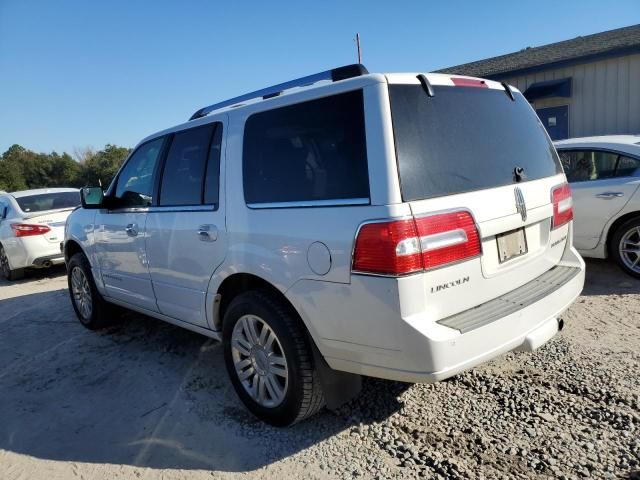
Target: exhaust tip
{"x": 560, "y": 324}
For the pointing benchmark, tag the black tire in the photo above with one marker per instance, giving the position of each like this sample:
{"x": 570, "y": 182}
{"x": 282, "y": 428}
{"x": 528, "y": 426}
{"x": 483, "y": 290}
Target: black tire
{"x": 5, "y": 269}
{"x": 101, "y": 312}
{"x": 630, "y": 227}
{"x": 303, "y": 395}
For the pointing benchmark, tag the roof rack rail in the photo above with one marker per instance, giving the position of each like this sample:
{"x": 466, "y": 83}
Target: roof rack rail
{"x": 335, "y": 74}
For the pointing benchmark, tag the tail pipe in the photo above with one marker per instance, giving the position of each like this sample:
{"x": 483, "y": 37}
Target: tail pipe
{"x": 560, "y": 324}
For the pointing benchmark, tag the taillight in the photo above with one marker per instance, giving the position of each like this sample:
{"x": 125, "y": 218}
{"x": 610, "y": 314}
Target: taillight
{"x": 447, "y": 238}
{"x": 388, "y": 248}
{"x": 413, "y": 245}
{"x": 562, "y": 205}
{"x": 27, "y": 230}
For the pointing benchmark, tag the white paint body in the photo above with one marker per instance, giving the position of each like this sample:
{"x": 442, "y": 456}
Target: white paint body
{"x": 32, "y": 251}
{"x": 599, "y": 203}
{"x": 372, "y": 325}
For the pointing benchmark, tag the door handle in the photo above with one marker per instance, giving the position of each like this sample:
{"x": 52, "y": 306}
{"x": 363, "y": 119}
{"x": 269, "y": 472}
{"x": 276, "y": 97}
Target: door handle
{"x": 132, "y": 229}
{"x": 208, "y": 233}
{"x": 610, "y": 195}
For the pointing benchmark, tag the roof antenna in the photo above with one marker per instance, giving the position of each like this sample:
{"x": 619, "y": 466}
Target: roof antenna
{"x": 359, "y": 50}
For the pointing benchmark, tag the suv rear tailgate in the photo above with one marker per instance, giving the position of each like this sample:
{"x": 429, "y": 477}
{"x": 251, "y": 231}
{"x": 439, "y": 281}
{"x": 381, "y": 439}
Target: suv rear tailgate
{"x": 461, "y": 286}
{"x": 472, "y": 145}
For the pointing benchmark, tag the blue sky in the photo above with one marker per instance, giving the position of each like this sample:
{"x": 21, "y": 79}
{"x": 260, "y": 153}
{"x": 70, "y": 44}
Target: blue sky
{"x": 88, "y": 73}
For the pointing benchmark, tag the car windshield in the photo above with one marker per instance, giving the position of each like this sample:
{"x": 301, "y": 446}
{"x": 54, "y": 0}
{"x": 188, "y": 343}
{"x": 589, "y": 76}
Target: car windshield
{"x": 48, "y": 201}
{"x": 464, "y": 139}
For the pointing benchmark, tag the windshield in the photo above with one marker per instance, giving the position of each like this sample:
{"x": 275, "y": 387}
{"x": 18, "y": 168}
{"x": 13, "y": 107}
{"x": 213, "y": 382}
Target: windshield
{"x": 48, "y": 201}
{"x": 464, "y": 139}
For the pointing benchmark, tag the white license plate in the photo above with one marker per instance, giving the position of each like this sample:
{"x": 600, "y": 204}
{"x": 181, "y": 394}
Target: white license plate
{"x": 511, "y": 244}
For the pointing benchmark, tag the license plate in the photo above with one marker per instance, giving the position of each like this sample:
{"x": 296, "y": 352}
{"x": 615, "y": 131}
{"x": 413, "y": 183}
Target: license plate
{"x": 511, "y": 244}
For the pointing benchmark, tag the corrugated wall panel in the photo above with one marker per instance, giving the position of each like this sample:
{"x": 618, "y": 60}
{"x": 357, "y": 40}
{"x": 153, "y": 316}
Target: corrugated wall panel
{"x": 634, "y": 93}
{"x": 605, "y": 95}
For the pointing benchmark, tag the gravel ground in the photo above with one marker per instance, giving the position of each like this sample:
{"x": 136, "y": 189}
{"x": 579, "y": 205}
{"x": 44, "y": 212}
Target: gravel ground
{"x": 149, "y": 400}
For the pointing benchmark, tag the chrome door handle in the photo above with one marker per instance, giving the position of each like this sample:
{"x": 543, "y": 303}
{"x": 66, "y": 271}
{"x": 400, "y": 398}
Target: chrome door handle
{"x": 208, "y": 233}
{"x": 610, "y": 195}
{"x": 132, "y": 229}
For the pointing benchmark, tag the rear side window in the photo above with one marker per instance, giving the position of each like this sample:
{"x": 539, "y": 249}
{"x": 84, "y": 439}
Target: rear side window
{"x": 311, "y": 151}
{"x": 48, "y": 201}
{"x": 586, "y": 165}
{"x": 192, "y": 158}
{"x": 627, "y": 167}
{"x": 464, "y": 139}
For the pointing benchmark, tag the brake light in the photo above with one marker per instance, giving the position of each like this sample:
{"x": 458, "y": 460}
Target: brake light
{"x": 413, "y": 245}
{"x": 447, "y": 238}
{"x": 27, "y": 230}
{"x": 562, "y": 205}
{"x": 388, "y": 248}
{"x": 469, "y": 82}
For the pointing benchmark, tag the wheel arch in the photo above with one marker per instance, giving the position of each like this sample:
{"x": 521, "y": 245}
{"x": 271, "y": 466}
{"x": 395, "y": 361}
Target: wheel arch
{"x": 238, "y": 283}
{"x": 615, "y": 225}
{"x": 71, "y": 247}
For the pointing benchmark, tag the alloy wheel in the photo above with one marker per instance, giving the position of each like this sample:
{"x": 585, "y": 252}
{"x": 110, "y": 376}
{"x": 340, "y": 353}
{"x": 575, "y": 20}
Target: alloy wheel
{"x": 259, "y": 361}
{"x": 81, "y": 292}
{"x": 630, "y": 249}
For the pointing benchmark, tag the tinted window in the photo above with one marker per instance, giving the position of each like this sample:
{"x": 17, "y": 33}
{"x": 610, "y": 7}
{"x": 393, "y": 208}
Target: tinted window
{"x": 48, "y": 201}
{"x": 585, "y": 165}
{"x": 310, "y": 151}
{"x": 184, "y": 170}
{"x": 465, "y": 139}
{"x": 134, "y": 186}
{"x": 212, "y": 178}
{"x": 627, "y": 167}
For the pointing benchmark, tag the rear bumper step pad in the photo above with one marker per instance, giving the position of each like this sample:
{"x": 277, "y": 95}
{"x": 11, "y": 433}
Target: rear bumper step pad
{"x": 511, "y": 302}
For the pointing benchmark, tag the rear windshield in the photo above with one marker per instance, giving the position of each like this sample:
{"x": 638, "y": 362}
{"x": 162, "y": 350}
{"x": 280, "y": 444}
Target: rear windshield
{"x": 48, "y": 201}
{"x": 464, "y": 139}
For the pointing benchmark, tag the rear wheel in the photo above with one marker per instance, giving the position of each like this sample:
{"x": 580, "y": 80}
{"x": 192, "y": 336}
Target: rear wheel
{"x": 5, "y": 268}
{"x": 269, "y": 360}
{"x": 625, "y": 246}
{"x": 91, "y": 309}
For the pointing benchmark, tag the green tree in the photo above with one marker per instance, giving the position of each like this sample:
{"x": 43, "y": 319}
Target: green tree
{"x": 21, "y": 168}
{"x": 11, "y": 175}
{"x": 101, "y": 167}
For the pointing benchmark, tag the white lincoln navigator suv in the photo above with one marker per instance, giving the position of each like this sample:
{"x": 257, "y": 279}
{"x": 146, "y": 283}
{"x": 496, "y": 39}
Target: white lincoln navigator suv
{"x": 402, "y": 226}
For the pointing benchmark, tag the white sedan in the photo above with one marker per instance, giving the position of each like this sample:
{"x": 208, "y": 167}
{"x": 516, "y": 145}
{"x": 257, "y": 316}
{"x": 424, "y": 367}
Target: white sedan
{"x": 604, "y": 174}
{"x": 32, "y": 227}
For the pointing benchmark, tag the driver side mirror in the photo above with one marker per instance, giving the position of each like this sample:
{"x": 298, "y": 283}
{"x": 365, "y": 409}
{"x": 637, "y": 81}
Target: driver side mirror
{"x": 3, "y": 213}
{"x": 91, "y": 197}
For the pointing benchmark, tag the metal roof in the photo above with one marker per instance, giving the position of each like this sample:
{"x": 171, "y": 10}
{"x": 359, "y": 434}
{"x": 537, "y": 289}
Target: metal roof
{"x": 590, "y": 47}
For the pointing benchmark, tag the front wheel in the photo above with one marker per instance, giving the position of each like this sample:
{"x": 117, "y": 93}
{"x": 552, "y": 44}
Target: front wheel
{"x": 269, "y": 360}
{"x": 91, "y": 309}
{"x": 625, "y": 247}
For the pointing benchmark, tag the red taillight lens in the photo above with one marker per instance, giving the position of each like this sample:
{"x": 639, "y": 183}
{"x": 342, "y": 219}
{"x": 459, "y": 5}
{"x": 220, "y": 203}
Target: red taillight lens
{"x": 27, "y": 230}
{"x": 562, "y": 205}
{"x": 447, "y": 238}
{"x": 407, "y": 246}
{"x": 389, "y": 248}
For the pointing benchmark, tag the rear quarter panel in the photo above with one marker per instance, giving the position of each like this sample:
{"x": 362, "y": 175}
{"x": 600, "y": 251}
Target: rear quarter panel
{"x": 273, "y": 243}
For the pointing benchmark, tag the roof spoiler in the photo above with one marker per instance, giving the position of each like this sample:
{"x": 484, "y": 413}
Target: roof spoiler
{"x": 334, "y": 75}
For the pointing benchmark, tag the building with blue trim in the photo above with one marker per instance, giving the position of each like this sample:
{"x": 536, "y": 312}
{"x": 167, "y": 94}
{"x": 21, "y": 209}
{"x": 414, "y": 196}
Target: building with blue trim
{"x": 580, "y": 87}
